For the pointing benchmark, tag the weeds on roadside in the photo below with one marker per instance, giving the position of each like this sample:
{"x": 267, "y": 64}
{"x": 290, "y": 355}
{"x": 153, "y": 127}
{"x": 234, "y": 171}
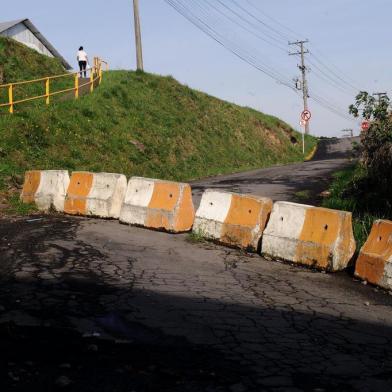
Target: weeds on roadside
{"x": 343, "y": 198}
{"x": 196, "y": 237}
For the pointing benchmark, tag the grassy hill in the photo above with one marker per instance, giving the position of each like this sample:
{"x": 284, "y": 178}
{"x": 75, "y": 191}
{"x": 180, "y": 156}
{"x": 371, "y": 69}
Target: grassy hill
{"x": 142, "y": 124}
{"x": 19, "y": 63}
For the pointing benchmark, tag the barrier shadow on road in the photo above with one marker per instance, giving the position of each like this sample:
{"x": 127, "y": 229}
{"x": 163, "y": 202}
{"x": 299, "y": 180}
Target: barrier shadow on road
{"x": 166, "y": 341}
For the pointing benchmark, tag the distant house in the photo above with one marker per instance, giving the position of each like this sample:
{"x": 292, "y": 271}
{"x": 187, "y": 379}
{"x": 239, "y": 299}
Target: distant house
{"x": 25, "y": 32}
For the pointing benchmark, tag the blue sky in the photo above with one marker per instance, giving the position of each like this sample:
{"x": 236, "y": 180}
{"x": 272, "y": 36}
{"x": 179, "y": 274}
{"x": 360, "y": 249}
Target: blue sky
{"x": 351, "y": 37}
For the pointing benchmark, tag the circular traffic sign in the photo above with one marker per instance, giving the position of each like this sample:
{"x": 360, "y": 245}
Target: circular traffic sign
{"x": 365, "y": 125}
{"x": 306, "y": 115}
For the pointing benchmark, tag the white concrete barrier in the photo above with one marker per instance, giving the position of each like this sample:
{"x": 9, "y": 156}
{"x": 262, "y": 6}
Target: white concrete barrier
{"x": 313, "y": 236}
{"x": 232, "y": 219}
{"x": 156, "y": 204}
{"x": 45, "y": 188}
{"x": 95, "y": 194}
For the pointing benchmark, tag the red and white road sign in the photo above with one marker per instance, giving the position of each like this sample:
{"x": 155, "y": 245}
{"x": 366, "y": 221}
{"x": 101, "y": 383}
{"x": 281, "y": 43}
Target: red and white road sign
{"x": 306, "y": 115}
{"x": 302, "y": 123}
{"x": 365, "y": 125}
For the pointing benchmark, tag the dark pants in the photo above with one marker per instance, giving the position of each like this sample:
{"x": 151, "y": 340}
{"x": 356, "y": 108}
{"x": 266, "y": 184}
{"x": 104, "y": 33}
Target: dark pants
{"x": 83, "y": 66}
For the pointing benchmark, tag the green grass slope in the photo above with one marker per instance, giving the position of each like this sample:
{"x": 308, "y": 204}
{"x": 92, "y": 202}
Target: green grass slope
{"x": 18, "y": 63}
{"x": 146, "y": 125}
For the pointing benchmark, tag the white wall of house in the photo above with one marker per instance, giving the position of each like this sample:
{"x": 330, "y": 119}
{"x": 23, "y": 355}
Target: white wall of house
{"x": 22, "y": 34}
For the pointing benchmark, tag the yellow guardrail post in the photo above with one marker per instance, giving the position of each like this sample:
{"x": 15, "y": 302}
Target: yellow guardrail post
{"x": 96, "y": 76}
{"x": 91, "y": 80}
{"x": 11, "y": 97}
{"x": 99, "y": 62}
{"x": 47, "y": 91}
{"x": 76, "y": 86}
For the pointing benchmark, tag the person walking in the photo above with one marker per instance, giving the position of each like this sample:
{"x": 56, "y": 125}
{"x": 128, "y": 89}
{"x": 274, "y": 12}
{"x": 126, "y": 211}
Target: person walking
{"x": 83, "y": 60}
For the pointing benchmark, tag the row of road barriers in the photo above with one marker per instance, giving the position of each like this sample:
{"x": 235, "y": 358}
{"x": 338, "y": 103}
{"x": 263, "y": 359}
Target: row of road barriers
{"x": 312, "y": 236}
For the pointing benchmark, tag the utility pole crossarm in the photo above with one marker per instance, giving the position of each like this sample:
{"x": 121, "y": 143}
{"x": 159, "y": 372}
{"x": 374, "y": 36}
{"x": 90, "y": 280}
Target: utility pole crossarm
{"x": 380, "y": 96}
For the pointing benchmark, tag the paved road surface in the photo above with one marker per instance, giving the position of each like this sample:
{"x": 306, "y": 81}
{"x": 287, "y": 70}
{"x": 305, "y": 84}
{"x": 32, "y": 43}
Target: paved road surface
{"x": 280, "y": 327}
{"x": 160, "y": 313}
{"x": 283, "y": 182}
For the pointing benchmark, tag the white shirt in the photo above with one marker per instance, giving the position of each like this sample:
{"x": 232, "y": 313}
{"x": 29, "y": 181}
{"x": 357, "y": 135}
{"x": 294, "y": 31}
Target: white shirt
{"x": 82, "y": 55}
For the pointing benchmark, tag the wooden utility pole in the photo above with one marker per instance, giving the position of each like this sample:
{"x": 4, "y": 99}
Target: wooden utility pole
{"x": 303, "y": 68}
{"x": 138, "y": 36}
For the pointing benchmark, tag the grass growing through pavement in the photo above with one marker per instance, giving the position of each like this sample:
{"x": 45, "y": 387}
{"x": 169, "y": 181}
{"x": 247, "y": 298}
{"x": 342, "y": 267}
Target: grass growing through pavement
{"x": 303, "y": 195}
{"x": 16, "y": 207}
{"x": 362, "y": 219}
{"x": 196, "y": 237}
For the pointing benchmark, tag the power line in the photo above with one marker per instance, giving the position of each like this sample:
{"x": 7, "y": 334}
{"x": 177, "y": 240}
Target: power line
{"x": 284, "y": 37}
{"x": 277, "y": 43}
{"x": 335, "y": 81}
{"x": 329, "y": 106}
{"x": 335, "y": 74}
{"x": 330, "y": 80}
{"x": 345, "y": 79}
{"x": 295, "y": 34}
{"x": 235, "y": 49}
{"x": 188, "y": 11}
{"x": 302, "y": 67}
{"x": 337, "y": 69}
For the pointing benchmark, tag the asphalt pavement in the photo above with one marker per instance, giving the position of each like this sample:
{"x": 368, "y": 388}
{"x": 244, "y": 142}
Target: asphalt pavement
{"x": 94, "y": 305}
{"x": 283, "y": 183}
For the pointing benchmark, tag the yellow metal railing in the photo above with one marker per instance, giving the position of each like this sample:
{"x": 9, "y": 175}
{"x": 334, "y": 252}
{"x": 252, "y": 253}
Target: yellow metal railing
{"x": 96, "y": 74}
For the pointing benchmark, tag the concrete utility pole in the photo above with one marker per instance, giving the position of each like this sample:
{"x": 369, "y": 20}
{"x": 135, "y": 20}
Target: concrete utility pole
{"x": 380, "y": 96}
{"x": 138, "y": 36}
{"x": 303, "y": 68}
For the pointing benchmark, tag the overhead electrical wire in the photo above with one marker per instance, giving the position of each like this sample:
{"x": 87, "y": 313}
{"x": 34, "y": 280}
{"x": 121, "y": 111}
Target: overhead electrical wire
{"x": 294, "y": 33}
{"x": 343, "y": 78}
{"x": 192, "y": 9}
{"x": 326, "y": 103}
{"x": 278, "y": 42}
{"x": 333, "y": 73}
{"x": 235, "y": 49}
{"x": 318, "y": 72}
{"x": 282, "y": 36}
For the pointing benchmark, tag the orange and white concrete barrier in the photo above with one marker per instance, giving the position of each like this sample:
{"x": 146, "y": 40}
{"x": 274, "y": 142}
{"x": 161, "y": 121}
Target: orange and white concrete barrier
{"x": 374, "y": 263}
{"x": 45, "y": 188}
{"x": 95, "y": 194}
{"x": 312, "y": 236}
{"x": 156, "y": 204}
{"x": 232, "y": 219}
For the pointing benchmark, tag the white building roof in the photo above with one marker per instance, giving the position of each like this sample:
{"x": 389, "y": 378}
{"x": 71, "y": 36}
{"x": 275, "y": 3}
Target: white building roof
{"x": 4, "y": 26}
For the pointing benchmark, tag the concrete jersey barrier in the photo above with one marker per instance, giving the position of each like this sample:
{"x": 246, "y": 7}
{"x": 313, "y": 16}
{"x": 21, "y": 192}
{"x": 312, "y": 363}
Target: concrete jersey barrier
{"x": 95, "y": 194}
{"x": 313, "y": 236}
{"x": 374, "y": 263}
{"x": 156, "y": 204}
{"x": 45, "y": 188}
{"x": 232, "y": 219}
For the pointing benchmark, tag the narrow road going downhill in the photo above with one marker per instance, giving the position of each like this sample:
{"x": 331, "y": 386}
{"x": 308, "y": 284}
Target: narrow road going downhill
{"x": 283, "y": 182}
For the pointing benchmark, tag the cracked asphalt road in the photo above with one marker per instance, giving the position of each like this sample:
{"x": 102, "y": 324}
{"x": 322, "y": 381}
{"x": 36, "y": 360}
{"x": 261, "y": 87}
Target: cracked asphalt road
{"x": 93, "y": 305}
{"x": 283, "y": 182}
{"x": 256, "y": 324}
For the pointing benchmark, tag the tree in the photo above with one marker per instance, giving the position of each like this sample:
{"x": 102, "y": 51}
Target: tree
{"x": 376, "y": 144}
